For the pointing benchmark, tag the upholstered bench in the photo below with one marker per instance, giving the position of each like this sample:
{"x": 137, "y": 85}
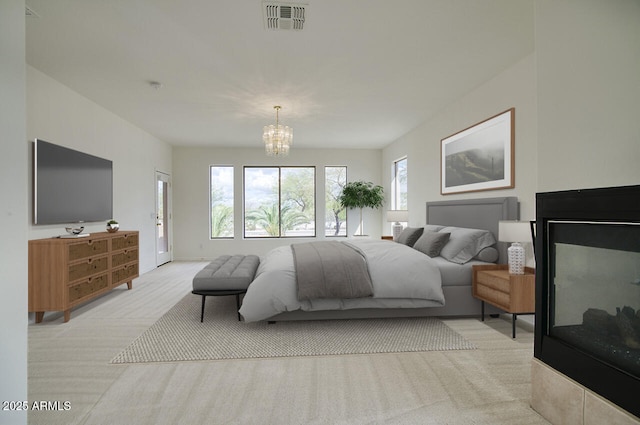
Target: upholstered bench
{"x": 226, "y": 275}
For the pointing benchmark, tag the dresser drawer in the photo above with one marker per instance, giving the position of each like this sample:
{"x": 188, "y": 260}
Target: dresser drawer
{"x": 87, "y": 268}
{"x": 124, "y": 241}
{"x": 124, "y": 257}
{"x": 88, "y": 248}
{"x": 124, "y": 274}
{"x": 88, "y": 287}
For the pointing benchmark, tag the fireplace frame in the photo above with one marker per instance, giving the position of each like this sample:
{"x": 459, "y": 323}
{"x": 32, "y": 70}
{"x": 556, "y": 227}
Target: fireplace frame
{"x": 614, "y": 204}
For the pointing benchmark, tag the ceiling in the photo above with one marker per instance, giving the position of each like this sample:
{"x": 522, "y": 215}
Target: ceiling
{"x": 360, "y": 74}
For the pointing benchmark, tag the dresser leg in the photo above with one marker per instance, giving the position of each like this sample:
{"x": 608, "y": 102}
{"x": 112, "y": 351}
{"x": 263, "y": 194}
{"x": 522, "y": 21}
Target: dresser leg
{"x": 482, "y": 309}
{"x": 513, "y": 325}
{"x": 67, "y": 315}
{"x": 39, "y": 316}
{"x": 130, "y": 284}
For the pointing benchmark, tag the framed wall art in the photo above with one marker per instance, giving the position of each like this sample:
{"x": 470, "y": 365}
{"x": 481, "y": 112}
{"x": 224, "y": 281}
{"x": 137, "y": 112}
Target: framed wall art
{"x": 480, "y": 157}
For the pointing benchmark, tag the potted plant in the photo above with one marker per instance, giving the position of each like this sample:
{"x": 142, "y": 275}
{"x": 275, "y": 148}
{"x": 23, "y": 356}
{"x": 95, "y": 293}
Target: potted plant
{"x": 112, "y": 226}
{"x": 361, "y": 195}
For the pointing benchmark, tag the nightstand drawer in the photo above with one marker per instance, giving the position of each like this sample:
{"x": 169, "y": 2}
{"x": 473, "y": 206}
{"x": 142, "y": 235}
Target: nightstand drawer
{"x": 498, "y": 298}
{"x": 494, "y": 279}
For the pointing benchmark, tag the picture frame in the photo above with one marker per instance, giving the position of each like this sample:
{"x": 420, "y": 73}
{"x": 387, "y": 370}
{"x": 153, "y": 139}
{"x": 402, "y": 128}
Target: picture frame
{"x": 480, "y": 157}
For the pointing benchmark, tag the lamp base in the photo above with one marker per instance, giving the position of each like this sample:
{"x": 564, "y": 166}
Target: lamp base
{"x": 397, "y": 229}
{"x": 515, "y": 254}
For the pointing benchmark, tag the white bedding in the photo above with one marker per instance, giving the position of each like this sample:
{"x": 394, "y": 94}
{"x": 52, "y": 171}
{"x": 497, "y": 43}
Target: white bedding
{"x": 402, "y": 278}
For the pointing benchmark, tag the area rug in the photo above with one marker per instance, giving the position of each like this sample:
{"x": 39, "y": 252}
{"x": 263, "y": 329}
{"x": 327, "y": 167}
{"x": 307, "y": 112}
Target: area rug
{"x": 179, "y": 336}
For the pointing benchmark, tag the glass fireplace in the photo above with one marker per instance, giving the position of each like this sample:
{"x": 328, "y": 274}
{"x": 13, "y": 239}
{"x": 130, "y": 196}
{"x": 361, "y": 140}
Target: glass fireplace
{"x": 588, "y": 289}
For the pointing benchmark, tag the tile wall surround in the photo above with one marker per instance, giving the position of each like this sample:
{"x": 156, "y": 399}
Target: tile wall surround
{"x": 561, "y": 400}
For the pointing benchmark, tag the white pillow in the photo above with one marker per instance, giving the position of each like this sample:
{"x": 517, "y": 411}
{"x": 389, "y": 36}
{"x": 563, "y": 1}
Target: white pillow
{"x": 464, "y": 243}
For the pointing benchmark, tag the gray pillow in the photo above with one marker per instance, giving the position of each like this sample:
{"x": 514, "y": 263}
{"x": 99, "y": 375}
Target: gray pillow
{"x": 464, "y": 244}
{"x": 432, "y": 227}
{"x": 410, "y": 235}
{"x": 431, "y": 243}
{"x": 488, "y": 255}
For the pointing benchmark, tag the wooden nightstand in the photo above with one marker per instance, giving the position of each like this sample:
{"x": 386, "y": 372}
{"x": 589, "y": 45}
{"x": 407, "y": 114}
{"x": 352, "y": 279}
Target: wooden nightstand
{"x": 514, "y": 294}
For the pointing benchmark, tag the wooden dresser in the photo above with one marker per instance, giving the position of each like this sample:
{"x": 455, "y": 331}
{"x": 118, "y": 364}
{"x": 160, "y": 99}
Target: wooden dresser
{"x": 66, "y": 272}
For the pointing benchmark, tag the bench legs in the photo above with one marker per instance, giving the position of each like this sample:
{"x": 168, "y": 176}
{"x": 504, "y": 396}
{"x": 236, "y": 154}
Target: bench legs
{"x": 204, "y": 297}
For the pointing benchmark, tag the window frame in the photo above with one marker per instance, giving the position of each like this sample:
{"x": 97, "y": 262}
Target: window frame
{"x": 395, "y": 184}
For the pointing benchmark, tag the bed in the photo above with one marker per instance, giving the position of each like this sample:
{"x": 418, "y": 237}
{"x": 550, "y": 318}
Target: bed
{"x": 405, "y": 281}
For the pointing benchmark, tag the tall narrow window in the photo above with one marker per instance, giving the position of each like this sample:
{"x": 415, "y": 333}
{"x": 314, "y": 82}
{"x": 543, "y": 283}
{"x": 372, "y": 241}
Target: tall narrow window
{"x": 221, "y": 201}
{"x": 335, "y": 215}
{"x": 279, "y": 202}
{"x": 400, "y": 184}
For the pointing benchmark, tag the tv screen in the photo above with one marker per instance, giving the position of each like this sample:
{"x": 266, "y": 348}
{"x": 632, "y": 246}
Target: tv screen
{"x": 70, "y": 186}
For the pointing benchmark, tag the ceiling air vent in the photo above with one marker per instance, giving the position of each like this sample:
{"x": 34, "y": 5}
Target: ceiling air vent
{"x": 284, "y": 16}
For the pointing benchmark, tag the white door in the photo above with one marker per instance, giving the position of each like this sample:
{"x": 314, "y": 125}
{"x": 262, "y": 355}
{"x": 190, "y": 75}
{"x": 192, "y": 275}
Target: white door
{"x": 163, "y": 216}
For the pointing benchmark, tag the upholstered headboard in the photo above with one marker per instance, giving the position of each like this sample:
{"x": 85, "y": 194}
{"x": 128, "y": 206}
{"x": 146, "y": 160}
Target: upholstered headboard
{"x": 482, "y": 213}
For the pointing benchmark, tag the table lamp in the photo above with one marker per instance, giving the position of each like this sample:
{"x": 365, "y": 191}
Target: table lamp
{"x": 515, "y": 232}
{"x": 397, "y": 216}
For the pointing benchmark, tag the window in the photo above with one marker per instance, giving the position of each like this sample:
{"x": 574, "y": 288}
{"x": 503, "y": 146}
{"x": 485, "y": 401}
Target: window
{"x": 335, "y": 215}
{"x": 279, "y": 202}
{"x": 399, "y": 185}
{"x": 221, "y": 192}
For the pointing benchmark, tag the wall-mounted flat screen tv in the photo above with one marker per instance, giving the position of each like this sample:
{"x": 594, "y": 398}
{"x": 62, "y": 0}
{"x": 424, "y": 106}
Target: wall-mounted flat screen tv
{"x": 70, "y": 186}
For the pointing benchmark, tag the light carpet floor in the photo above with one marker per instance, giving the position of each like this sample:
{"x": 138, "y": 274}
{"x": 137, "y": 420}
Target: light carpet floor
{"x": 70, "y": 362}
{"x": 180, "y": 336}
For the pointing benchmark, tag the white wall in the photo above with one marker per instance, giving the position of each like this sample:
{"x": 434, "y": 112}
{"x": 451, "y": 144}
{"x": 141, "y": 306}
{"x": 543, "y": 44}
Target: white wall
{"x": 191, "y": 189}
{"x": 588, "y": 69}
{"x": 577, "y": 101}
{"x": 59, "y": 115}
{"x": 514, "y": 87}
{"x": 13, "y": 210}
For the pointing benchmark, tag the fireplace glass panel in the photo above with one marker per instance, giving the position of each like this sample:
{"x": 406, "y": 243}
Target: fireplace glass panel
{"x": 594, "y": 279}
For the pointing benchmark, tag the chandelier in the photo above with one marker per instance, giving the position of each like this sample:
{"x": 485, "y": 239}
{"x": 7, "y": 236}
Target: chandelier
{"x": 277, "y": 138}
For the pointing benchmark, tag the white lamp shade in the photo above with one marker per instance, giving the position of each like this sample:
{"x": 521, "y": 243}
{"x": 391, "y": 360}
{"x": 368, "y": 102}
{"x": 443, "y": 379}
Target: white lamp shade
{"x": 514, "y": 231}
{"x": 398, "y": 215}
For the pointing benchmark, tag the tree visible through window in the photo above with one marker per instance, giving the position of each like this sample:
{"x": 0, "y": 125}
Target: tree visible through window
{"x": 335, "y": 214}
{"x": 221, "y": 201}
{"x": 279, "y": 202}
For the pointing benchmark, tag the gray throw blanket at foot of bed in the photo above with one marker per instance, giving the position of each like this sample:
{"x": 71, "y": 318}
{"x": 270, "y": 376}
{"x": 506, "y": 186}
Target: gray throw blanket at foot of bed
{"x": 330, "y": 270}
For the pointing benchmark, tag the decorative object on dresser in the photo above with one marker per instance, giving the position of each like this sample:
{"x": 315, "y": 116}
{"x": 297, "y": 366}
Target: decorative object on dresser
{"x": 112, "y": 226}
{"x": 515, "y": 232}
{"x": 514, "y": 294}
{"x": 66, "y": 272}
{"x": 74, "y": 232}
{"x": 397, "y": 216}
